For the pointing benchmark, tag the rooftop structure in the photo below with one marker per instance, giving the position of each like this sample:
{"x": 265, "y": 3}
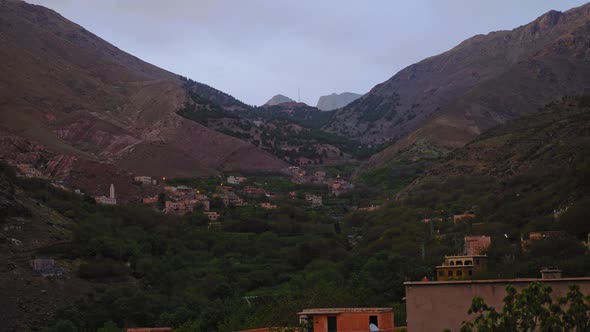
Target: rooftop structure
{"x": 348, "y": 319}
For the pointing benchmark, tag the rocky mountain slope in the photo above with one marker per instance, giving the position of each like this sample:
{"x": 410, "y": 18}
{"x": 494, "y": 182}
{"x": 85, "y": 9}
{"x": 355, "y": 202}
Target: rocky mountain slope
{"x": 335, "y": 101}
{"x": 278, "y": 99}
{"x": 65, "y": 88}
{"x": 448, "y": 99}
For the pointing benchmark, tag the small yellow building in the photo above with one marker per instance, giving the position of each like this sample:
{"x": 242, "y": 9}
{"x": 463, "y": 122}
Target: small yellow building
{"x": 460, "y": 267}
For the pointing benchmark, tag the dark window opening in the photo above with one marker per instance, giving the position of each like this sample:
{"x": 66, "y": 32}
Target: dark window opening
{"x": 441, "y": 273}
{"x": 470, "y": 272}
{"x": 459, "y": 273}
{"x": 468, "y": 263}
{"x": 332, "y": 327}
{"x": 374, "y": 320}
{"x": 450, "y": 273}
{"x": 459, "y": 263}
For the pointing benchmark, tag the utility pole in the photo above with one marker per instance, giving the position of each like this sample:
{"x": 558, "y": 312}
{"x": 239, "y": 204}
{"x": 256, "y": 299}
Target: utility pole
{"x": 298, "y": 95}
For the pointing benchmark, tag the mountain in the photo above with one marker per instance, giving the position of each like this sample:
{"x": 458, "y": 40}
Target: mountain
{"x": 531, "y": 166}
{"x": 448, "y": 99}
{"x": 278, "y": 99}
{"x": 335, "y": 101}
{"x": 65, "y": 88}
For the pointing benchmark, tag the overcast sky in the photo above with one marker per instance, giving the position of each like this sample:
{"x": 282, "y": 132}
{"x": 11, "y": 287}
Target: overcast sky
{"x": 254, "y": 49}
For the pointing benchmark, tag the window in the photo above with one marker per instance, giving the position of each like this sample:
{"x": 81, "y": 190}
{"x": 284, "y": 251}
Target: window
{"x": 452, "y": 263}
{"x": 470, "y": 272}
{"x": 459, "y": 263}
{"x": 477, "y": 261}
{"x": 332, "y": 327}
{"x": 441, "y": 273}
{"x": 459, "y": 273}
{"x": 469, "y": 262}
{"x": 450, "y": 273}
{"x": 374, "y": 320}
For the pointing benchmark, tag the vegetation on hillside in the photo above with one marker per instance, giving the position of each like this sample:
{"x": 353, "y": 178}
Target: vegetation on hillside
{"x": 262, "y": 266}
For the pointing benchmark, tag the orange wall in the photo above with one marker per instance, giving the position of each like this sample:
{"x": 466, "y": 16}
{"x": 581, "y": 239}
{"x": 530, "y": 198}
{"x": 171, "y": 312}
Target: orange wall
{"x": 354, "y": 321}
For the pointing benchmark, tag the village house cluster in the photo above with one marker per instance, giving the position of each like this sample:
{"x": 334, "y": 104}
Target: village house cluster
{"x": 29, "y": 171}
{"x": 336, "y": 186}
{"x": 183, "y": 199}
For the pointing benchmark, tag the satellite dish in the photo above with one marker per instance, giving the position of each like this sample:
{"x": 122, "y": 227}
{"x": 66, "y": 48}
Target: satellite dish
{"x": 373, "y": 327}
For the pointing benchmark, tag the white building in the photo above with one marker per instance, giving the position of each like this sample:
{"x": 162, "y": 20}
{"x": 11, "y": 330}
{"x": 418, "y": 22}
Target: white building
{"x": 111, "y": 200}
{"x": 235, "y": 179}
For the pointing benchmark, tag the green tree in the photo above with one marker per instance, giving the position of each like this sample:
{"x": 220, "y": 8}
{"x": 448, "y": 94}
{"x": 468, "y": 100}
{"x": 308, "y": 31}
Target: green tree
{"x": 533, "y": 309}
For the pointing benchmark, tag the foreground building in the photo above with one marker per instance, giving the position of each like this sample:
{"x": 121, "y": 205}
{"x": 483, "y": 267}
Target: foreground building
{"x": 438, "y": 305}
{"x": 347, "y": 319}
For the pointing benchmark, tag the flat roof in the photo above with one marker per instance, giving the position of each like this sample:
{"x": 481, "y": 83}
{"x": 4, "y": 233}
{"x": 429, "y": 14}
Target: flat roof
{"x": 333, "y": 311}
{"x": 467, "y": 256}
{"x": 494, "y": 281}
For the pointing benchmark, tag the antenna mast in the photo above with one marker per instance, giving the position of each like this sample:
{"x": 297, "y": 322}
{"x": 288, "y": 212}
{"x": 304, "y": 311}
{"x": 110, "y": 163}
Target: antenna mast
{"x": 298, "y": 95}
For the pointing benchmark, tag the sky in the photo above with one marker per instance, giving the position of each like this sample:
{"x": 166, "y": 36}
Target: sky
{"x": 254, "y": 49}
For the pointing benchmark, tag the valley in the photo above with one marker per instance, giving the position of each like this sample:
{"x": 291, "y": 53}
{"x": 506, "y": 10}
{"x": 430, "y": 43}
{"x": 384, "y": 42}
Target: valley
{"x": 132, "y": 196}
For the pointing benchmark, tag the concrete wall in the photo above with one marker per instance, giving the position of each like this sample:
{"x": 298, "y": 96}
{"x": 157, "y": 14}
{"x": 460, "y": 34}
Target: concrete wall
{"x": 434, "y": 306}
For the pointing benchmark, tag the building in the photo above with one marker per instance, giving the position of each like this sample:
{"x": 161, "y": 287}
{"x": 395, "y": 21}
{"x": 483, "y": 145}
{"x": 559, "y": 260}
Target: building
{"x": 267, "y": 205}
{"x": 460, "y": 267}
{"x": 340, "y": 186}
{"x": 143, "y": 179}
{"x": 150, "y": 199}
{"x": 254, "y": 191}
{"x": 463, "y": 217}
{"x": 477, "y": 244}
{"x": 29, "y": 171}
{"x": 175, "y": 207}
{"x": 370, "y": 208}
{"x": 542, "y": 236}
{"x": 213, "y": 216}
{"x": 315, "y": 200}
{"x": 431, "y": 220}
{"x": 236, "y": 179}
{"x": 46, "y": 267}
{"x": 347, "y": 319}
{"x": 438, "y": 305}
{"x": 111, "y": 200}
{"x": 150, "y": 329}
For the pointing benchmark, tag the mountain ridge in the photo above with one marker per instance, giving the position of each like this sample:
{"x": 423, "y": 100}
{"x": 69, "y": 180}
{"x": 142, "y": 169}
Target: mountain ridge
{"x": 89, "y": 98}
{"x": 450, "y": 98}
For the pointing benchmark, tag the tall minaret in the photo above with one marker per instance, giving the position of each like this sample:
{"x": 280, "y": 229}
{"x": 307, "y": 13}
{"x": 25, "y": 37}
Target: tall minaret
{"x": 112, "y": 191}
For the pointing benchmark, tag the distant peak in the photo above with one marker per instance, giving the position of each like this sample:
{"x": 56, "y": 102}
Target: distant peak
{"x": 278, "y": 99}
{"x": 335, "y": 100}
